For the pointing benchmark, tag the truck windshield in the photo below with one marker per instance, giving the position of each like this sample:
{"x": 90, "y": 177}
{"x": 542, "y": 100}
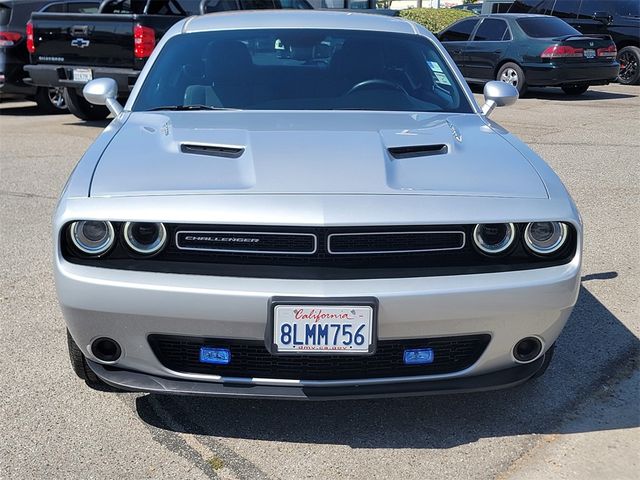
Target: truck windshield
{"x": 302, "y": 69}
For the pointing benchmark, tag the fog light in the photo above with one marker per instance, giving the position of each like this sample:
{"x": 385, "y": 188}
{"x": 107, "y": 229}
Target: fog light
{"x": 418, "y": 356}
{"x": 494, "y": 238}
{"x": 92, "y": 237}
{"x": 217, "y": 356}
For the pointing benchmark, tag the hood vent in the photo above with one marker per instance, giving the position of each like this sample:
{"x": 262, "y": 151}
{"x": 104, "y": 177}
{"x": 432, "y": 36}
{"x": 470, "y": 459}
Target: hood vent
{"x": 413, "y": 151}
{"x": 225, "y": 151}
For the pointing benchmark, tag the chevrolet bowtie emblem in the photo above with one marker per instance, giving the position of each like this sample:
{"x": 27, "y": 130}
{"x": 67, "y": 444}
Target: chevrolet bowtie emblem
{"x": 80, "y": 42}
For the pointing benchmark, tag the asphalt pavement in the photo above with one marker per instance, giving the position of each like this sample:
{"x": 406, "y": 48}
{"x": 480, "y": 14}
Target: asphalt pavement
{"x": 580, "y": 420}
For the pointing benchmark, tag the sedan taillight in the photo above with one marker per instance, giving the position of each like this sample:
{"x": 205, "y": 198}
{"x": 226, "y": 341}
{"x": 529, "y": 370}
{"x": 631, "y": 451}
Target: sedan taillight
{"x": 31, "y": 46}
{"x": 611, "y": 51}
{"x": 562, "y": 51}
{"x": 9, "y": 39}
{"x": 144, "y": 41}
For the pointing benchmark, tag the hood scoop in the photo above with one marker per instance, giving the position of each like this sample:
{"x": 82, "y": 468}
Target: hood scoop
{"x": 413, "y": 151}
{"x": 225, "y": 151}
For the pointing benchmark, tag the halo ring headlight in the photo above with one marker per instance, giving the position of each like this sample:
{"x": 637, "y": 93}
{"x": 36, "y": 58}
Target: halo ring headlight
{"x": 545, "y": 238}
{"x": 494, "y": 238}
{"x": 145, "y": 237}
{"x": 92, "y": 237}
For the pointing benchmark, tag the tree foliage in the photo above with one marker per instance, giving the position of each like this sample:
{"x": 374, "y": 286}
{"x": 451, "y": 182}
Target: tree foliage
{"x": 434, "y": 19}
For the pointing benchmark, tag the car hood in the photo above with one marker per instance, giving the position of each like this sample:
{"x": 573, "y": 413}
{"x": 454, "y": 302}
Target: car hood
{"x": 343, "y": 152}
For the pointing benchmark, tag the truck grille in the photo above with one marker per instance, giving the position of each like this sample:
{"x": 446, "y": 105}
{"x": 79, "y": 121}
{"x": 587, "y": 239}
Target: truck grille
{"x": 251, "y": 358}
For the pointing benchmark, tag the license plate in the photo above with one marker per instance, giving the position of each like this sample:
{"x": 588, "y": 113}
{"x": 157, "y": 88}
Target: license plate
{"x": 311, "y": 329}
{"x": 82, "y": 75}
{"x": 589, "y": 53}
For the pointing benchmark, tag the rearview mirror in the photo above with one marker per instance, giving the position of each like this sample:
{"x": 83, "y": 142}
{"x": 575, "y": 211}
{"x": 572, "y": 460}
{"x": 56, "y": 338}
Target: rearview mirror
{"x": 498, "y": 94}
{"x": 103, "y": 91}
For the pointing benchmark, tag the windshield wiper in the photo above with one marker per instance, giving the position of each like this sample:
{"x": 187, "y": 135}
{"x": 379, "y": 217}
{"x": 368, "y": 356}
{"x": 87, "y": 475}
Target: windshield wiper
{"x": 188, "y": 107}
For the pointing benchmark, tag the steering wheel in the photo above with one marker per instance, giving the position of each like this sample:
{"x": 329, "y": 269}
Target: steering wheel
{"x": 377, "y": 82}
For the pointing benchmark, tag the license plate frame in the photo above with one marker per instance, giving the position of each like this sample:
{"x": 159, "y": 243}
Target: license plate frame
{"x": 274, "y": 302}
{"x": 82, "y": 75}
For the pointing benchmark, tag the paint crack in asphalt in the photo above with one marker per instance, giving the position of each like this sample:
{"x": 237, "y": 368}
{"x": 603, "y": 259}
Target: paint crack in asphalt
{"x": 183, "y": 438}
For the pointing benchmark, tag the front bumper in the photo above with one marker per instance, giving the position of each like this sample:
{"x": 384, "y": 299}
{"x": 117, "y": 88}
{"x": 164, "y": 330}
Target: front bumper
{"x": 128, "y": 306}
{"x": 140, "y": 382}
{"x": 62, "y": 76}
{"x": 550, "y": 74}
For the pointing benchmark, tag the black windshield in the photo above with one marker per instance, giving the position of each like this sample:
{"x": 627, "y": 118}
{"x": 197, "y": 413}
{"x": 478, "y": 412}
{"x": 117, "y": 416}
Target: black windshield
{"x": 302, "y": 69}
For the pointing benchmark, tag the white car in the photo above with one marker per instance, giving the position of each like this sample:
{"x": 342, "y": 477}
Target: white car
{"x": 333, "y": 218}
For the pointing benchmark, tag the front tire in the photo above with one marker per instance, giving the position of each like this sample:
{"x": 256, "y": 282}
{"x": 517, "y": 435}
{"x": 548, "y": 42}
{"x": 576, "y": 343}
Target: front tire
{"x": 82, "y": 108}
{"x": 81, "y": 369}
{"x": 513, "y": 74}
{"x": 575, "y": 89}
{"x": 629, "y": 59}
{"x": 50, "y": 100}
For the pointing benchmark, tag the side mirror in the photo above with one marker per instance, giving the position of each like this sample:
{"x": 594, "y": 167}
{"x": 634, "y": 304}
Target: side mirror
{"x": 603, "y": 17}
{"x": 103, "y": 91}
{"x": 498, "y": 94}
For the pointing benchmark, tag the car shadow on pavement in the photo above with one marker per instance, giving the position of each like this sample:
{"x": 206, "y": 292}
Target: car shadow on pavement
{"x": 21, "y": 110}
{"x": 594, "y": 347}
{"x": 558, "y": 94}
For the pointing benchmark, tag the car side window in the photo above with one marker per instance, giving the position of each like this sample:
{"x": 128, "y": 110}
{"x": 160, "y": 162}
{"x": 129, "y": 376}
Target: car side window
{"x": 543, "y": 7}
{"x": 459, "y": 32}
{"x": 566, "y": 8}
{"x": 82, "y": 7}
{"x": 491, "y": 30}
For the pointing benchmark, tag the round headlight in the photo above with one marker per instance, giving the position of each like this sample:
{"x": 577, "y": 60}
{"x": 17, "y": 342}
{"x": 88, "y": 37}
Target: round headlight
{"x": 92, "y": 237}
{"x": 545, "y": 237}
{"x": 145, "y": 238}
{"x": 494, "y": 238}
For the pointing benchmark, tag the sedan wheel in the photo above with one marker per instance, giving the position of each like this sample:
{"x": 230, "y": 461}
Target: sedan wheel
{"x": 57, "y": 98}
{"x": 509, "y": 76}
{"x": 512, "y": 74}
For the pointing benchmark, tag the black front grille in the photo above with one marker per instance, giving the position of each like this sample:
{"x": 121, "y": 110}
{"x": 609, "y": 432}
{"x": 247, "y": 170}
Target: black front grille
{"x": 394, "y": 242}
{"x": 251, "y": 358}
{"x": 311, "y": 252}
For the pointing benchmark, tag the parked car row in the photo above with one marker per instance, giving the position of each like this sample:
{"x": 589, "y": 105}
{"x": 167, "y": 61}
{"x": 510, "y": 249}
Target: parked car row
{"x": 65, "y": 44}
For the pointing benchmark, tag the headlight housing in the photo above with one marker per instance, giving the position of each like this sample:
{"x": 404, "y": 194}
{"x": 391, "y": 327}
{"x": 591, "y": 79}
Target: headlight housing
{"x": 494, "y": 238}
{"x": 545, "y": 238}
{"x": 145, "y": 238}
{"x": 93, "y": 237}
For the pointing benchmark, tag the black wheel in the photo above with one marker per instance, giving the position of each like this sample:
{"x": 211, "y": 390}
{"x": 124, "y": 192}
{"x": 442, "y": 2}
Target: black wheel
{"x": 629, "y": 59}
{"x": 513, "y": 74}
{"x": 548, "y": 356}
{"x": 83, "y": 109}
{"x": 81, "y": 369}
{"x": 575, "y": 89}
{"x": 50, "y": 100}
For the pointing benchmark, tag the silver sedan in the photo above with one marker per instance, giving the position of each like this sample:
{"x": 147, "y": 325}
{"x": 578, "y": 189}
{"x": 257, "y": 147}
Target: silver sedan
{"x": 311, "y": 205}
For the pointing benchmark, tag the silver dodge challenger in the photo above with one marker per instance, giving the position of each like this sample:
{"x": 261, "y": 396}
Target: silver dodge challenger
{"x": 310, "y": 205}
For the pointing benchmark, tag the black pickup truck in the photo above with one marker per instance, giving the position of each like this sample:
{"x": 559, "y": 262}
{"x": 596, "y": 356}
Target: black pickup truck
{"x": 68, "y": 50}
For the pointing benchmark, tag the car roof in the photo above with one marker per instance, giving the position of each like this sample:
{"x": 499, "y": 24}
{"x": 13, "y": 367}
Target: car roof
{"x": 307, "y": 19}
